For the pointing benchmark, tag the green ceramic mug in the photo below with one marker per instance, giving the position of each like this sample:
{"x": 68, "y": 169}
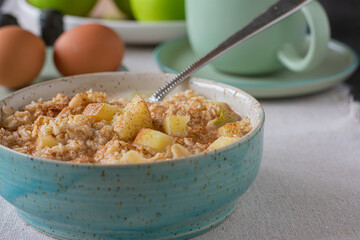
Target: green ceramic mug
{"x": 286, "y": 44}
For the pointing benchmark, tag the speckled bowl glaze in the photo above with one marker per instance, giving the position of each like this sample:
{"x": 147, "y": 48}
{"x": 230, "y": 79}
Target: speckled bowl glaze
{"x": 164, "y": 200}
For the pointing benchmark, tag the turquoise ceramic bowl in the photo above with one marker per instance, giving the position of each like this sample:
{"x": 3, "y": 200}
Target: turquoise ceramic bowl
{"x": 164, "y": 200}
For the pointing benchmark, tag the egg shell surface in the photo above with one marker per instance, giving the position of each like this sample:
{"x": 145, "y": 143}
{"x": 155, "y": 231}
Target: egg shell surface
{"x": 88, "y": 48}
{"x": 22, "y": 56}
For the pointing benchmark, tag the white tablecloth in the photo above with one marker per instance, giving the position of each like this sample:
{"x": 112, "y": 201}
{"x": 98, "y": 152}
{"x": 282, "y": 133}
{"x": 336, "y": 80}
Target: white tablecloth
{"x": 308, "y": 186}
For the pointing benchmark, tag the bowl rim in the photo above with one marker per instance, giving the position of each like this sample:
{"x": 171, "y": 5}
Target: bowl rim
{"x": 192, "y": 157}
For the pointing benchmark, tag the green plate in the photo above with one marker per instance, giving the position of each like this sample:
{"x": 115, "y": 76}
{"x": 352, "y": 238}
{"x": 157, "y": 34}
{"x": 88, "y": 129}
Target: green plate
{"x": 341, "y": 61}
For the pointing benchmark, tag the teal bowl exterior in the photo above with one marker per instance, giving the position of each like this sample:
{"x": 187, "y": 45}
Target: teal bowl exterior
{"x": 174, "y": 199}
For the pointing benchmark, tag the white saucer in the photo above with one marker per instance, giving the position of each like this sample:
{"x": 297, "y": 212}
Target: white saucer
{"x": 132, "y": 32}
{"x": 341, "y": 61}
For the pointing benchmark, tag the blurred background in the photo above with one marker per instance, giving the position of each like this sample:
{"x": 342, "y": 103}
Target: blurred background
{"x": 344, "y": 18}
{"x": 345, "y": 26}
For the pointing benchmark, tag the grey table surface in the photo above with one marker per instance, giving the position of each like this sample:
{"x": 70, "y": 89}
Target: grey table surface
{"x": 308, "y": 186}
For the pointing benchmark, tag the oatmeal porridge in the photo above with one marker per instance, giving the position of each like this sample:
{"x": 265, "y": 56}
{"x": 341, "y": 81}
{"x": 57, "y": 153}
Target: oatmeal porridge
{"x": 90, "y": 128}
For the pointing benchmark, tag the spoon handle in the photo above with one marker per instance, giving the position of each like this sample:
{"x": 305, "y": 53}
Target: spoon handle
{"x": 280, "y": 10}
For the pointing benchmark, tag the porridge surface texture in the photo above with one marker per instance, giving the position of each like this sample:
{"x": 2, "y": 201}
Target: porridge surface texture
{"x": 74, "y": 129}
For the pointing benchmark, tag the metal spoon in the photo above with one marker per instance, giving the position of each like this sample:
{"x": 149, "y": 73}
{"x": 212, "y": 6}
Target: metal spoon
{"x": 280, "y": 10}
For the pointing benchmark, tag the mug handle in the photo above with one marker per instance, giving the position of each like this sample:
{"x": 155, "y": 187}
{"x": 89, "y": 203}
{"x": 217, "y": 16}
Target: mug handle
{"x": 319, "y": 26}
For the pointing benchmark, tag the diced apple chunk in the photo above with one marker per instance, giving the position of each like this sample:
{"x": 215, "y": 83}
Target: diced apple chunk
{"x": 222, "y": 142}
{"x": 136, "y": 116}
{"x": 101, "y": 111}
{"x": 128, "y": 157}
{"x": 239, "y": 128}
{"x": 153, "y": 139}
{"x": 47, "y": 141}
{"x": 226, "y": 115}
{"x": 132, "y": 157}
{"x": 179, "y": 151}
{"x": 176, "y": 125}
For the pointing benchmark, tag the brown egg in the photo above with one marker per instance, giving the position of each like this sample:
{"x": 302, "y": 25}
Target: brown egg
{"x": 22, "y": 56}
{"x": 88, "y": 48}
